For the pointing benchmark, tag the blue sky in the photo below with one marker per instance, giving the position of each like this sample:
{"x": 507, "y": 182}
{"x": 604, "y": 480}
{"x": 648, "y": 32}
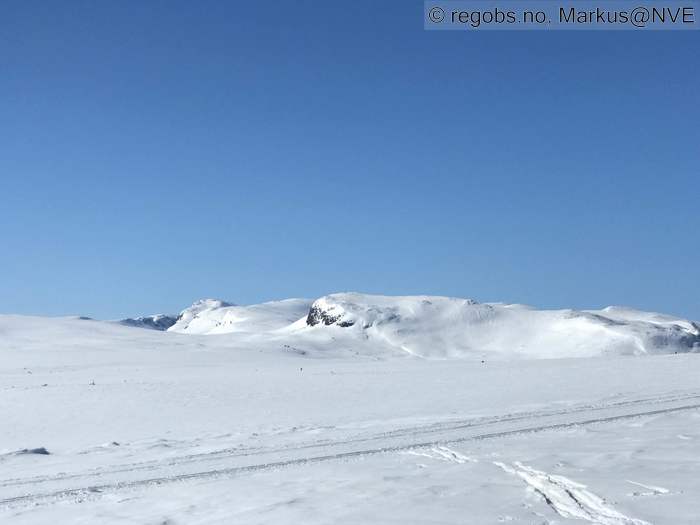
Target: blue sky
{"x": 157, "y": 152}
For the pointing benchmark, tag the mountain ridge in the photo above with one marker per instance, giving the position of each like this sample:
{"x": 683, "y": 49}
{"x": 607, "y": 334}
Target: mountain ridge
{"x": 439, "y": 327}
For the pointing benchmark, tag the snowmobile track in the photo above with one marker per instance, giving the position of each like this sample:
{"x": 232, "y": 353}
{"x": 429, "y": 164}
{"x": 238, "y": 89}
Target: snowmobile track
{"x": 95, "y": 483}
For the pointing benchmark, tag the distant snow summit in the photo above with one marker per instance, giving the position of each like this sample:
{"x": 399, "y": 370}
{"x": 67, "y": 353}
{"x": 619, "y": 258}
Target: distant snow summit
{"x": 436, "y": 327}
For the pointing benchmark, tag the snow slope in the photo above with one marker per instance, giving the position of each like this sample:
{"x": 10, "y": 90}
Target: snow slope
{"x": 111, "y": 424}
{"x": 232, "y": 416}
{"x": 213, "y": 316}
{"x": 440, "y": 327}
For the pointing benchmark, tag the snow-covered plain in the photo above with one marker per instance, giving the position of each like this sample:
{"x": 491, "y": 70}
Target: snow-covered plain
{"x": 352, "y": 409}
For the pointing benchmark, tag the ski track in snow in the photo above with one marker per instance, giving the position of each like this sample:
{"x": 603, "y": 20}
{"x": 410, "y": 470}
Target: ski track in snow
{"x": 95, "y": 483}
{"x": 411, "y": 431}
{"x": 568, "y": 498}
{"x": 655, "y": 491}
{"x": 442, "y": 453}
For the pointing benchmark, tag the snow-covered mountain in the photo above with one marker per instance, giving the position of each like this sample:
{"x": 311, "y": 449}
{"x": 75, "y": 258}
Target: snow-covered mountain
{"x": 213, "y": 316}
{"x": 437, "y": 327}
{"x": 444, "y": 327}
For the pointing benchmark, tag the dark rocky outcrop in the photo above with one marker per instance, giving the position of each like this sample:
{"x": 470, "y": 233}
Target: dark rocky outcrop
{"x": 152, "y": 322}
{"x": 317, "y": 316}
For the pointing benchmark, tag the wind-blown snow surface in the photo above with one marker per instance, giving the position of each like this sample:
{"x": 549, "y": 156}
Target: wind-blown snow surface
{"x": 282, "y": 421}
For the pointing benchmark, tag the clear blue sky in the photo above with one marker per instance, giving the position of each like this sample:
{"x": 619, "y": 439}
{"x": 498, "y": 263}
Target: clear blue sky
{"x": 156, "y": 152}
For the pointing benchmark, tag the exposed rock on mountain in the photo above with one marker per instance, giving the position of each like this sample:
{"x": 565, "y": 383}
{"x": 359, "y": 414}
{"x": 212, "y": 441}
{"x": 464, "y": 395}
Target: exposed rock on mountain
{"x": 154, "y": 322}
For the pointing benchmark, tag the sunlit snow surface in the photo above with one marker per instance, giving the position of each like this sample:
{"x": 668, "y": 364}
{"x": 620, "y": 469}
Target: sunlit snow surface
{"x": 103, "y": 423}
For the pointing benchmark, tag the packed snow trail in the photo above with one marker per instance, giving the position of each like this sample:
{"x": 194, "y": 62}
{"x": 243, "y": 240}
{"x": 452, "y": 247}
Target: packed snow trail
{"x": 94, "y": 483}
{"x": 427, "y": 429}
